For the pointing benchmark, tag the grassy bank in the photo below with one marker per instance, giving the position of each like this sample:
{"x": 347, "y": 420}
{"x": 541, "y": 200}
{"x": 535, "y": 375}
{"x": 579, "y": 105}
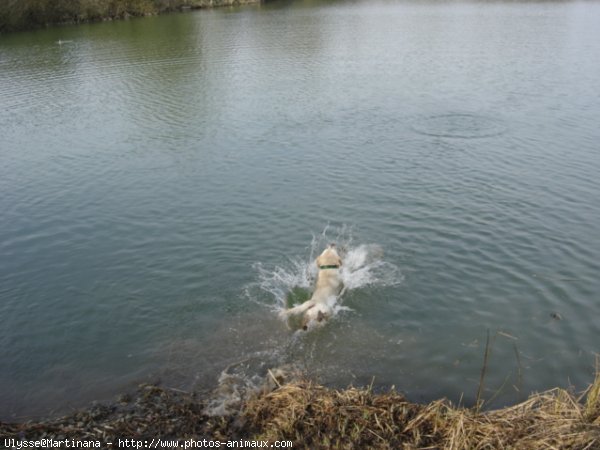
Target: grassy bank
{"x": 28, "y": 14}
{"x": 315, "y": 417}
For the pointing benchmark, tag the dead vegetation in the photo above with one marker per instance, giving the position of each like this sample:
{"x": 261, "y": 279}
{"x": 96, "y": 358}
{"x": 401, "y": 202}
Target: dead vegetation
{"x": 313, "y": 416}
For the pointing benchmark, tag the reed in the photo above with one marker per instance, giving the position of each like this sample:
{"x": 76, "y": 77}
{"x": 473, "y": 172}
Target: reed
{"x": 486, "y": 355}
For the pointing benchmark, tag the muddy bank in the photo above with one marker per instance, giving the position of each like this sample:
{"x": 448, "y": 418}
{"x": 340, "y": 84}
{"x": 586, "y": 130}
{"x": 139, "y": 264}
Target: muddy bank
{"x": 18, "y": 15}
{"x": 308, "y": 415}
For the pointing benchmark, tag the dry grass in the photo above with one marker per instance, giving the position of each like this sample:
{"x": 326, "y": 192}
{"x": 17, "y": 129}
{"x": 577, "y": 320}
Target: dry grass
{"x": 315, "y": 417}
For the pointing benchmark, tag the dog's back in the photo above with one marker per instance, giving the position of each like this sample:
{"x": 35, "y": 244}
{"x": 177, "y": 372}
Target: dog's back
{"x": 328, "y": 283}
{"x": 328, "y": 286}
{"x": 329, "y": 263}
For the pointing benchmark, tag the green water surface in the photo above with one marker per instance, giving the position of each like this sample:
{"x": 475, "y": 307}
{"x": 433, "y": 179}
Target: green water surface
{"x": 147, "y": 166}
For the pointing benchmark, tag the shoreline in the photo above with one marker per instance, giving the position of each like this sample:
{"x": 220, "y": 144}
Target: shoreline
{"x": 27, "y": 15}
{"x": 308, "y": 415}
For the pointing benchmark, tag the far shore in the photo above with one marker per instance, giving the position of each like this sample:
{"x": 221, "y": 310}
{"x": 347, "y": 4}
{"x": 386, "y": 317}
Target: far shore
{"x": 20, "y": 15}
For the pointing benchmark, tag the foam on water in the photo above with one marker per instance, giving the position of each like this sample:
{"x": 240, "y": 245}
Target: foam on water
{"x": 291, "y": 282}
{"x": 234, "y": 384}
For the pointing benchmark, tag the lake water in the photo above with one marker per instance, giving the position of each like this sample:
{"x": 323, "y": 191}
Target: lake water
{"x": 165, "y": 183}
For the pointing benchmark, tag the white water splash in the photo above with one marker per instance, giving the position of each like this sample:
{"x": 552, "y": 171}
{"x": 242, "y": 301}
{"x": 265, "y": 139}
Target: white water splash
{"x": 228, "y": 396}
{"x": 363, "y": 266}
{"x": 240, "y": 380}
{"x": 291, "y": 282}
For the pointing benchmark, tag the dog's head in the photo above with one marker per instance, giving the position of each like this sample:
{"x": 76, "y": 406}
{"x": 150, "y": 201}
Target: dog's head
{"x": 329, "y": 257}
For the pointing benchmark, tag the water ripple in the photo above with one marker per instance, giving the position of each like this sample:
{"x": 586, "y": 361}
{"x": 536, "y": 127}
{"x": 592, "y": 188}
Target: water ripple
{"x": 146, "y": 165}
{"x": 459, "y": 125}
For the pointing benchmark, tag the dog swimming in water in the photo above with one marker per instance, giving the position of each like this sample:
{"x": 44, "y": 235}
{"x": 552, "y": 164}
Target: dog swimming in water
{"x": 320, "y": 306}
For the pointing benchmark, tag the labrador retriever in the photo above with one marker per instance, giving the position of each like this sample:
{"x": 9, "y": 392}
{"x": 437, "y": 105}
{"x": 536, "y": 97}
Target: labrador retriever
{"x": 327, "y": 288}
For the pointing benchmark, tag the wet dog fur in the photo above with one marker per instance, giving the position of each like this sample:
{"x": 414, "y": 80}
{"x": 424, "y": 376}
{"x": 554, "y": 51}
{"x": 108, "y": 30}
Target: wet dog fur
{"x": 328, "y": 286}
